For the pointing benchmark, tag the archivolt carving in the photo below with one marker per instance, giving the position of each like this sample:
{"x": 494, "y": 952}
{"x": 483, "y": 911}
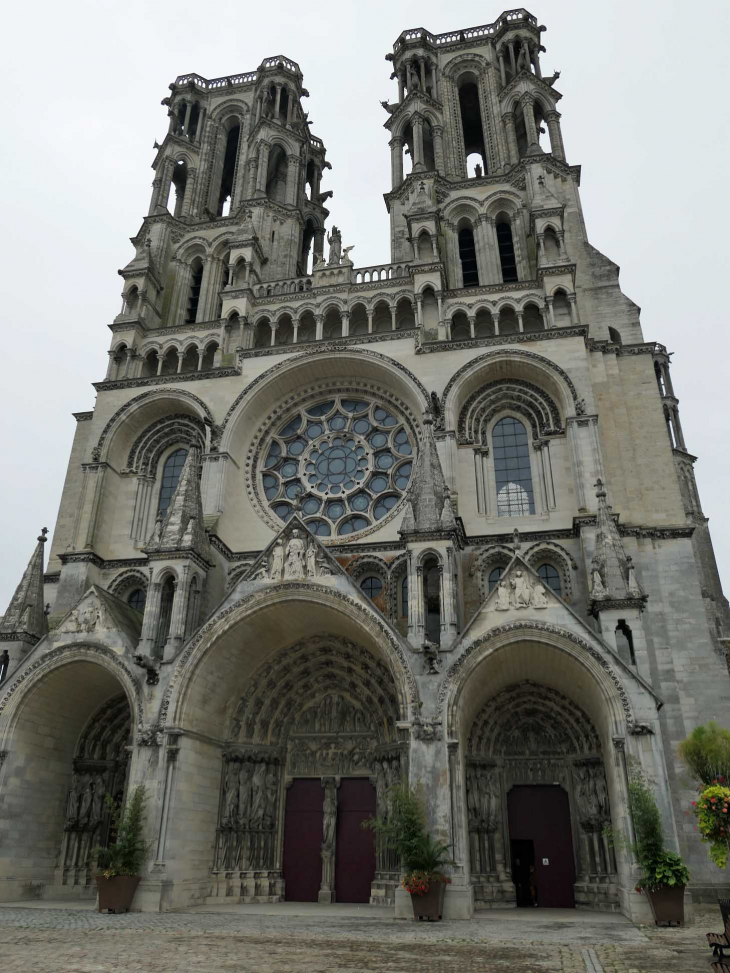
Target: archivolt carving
{"x": 515, "y": 355}
{"x": 259, "y": 598}
{"x": 466, "y": 662}
{"x": 126, "y": 580}
{"x": 529, "y": 400}
{"x": 547, "y": 552}
{"x": 156, "y": 438}
{"x": 170, "y": 394}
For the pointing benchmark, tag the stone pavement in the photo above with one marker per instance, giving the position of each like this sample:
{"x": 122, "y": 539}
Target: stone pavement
{"x": 79, "y": 940}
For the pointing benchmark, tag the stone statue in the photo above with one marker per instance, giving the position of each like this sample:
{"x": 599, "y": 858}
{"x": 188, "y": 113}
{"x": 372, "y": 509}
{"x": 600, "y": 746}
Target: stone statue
{"x": 244, "y": 793}
{"x": 502, "y": 602}
{"x": 539, "y": 597}
{"x": 488, "y": 797}
{"x": 521, "y": 590}
{"x": 431, "y": 657}
{"x": 323, "y": 568}
{"x": 335, "y": 243}
{"x": 258, "y": 795}
{"x": 312, "y": 560}
{"x": 87, "y": 796}
{"x": 329, "y": 821}
{"x": 72, "y": 807}
{"x": 230, "y": 795}
{"x": 597, "y": 589}
{"x": 272, "y": 796}
{"x": 294, "y": 567}
{"x": 277, "y": 561}
{"x": 97, "y": 803}
{"x": 345, "y": 254}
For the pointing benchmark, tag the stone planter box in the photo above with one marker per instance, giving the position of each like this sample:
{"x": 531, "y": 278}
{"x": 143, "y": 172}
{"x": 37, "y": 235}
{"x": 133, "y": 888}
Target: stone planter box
{"x": 667, "y": 905}
{"x": 116, "y": 894}
{"x": 431, "y": 905}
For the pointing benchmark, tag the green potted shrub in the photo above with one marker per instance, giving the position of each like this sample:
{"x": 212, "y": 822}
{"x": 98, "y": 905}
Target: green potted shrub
{"x": 120, "y": 864}
{"x": 422, "y": 858}
{"x": 706, "y": 752}
{"x": 664, "y": 873}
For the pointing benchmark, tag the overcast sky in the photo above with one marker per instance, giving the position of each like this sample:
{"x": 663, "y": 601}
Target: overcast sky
{"x": 644, "y": 113}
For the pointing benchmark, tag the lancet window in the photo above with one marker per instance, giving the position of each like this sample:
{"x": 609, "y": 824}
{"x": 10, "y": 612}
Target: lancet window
{"x": 513, "y": 474}
{"x": 170, "y": 478}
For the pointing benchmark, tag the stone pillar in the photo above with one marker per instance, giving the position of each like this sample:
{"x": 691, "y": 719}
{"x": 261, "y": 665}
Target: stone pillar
{"x": 264, "y": 150}
{"x": 438, "y": 147}
{"x": 345, "y": 323}
{"x": 319, "y": 323}
{"x": 179, "y": 613}
{"x": 277, "y": 104}
{"x": 536, "y": 61}
{"x": 273, "y": 326}
{"x": 471, "y": 320}
{"x": 520, "y": 322}
{"x": 150, "y": 620}
{"x": 189, "y": 192}
{"x": 422, "y": 68}
{"x": 201, "y": 353}
{"x": 292, "y": 179}
{"x": 419, "y": 310}
{"x": 495, "y": 318}
{"x": 513, "y": 63}
{"x": 502, "y": 71}
{"x": 556, "y": 138}
{"x": 180, "y": 356}
{"x": 509, "y": 124}
{"x": 369, "y": 311}
{"x": 111, "y": 367}
{"x": 396, "y": 161}
{"x": 296, "y": 331}
{"x": 401, "y": 88}
{"x": 551, "y": 312}
{"x": 329, "y": 831}
{"x": 393, "y": 310}
{"x": 417, "y": 123}
{"x": 528, "y": 111}
{"x": 318, "y": 247}
{"x": 573, "y": 305}
{"x": 252, "y": 176}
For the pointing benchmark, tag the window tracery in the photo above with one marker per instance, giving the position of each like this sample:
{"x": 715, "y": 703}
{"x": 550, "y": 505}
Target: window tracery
{"x": 343, "y": 461}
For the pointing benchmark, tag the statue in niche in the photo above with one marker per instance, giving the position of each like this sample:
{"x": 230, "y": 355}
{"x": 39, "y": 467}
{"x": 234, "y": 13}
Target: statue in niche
{"x": 431, "y": 657}
{"x": 488, "y": 797}
{"x": 271, "y": 786}
{"x": 97, "y": 802}
{"x": 329, "y": 824}
{"x": 502, "y": 602}
{"x": 334, "y": 240}
{"x": 87, "y": 797}
{"x": 294, "y": 568}
{"x": 473, "y": 797}
{"x": 521, "y": 590}
{"x": 244, "y": 793}
{"x": 312, "y": 560}
{"x": 277, "y": 561}
{"x": 539, "y": 597}
{"x": 258, "y": 795}
{"x": 72, "y": 808}
{"x": 230, "y": 795}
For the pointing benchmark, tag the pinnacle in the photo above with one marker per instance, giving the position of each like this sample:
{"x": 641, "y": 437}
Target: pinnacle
{"x": 26, "y": 611}
{"x": 182, "y": 527}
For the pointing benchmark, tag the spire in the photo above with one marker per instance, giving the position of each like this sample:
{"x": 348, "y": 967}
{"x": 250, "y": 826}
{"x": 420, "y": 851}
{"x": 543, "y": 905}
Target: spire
{"x": 26, "y": 614}
{"x": 612, "y": 570}
{"x": 182, "y": 527}
{"x": 429, "y": 503}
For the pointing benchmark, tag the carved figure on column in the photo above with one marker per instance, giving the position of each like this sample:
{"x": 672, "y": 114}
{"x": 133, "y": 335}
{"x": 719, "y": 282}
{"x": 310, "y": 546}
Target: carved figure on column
{"x": 230, "y": 795}
{"x": 87, "y": 796}
{"x": 97, "y": 803}
{"x": 72, "y": 808}
{"x": 244, "y": 793}
{"x": 294, "y": 568}
{"x": 258, "y": 795}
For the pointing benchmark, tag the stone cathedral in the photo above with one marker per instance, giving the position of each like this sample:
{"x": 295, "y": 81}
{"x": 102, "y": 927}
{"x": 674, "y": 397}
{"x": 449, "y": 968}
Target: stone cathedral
{"x": 329, "y": 527}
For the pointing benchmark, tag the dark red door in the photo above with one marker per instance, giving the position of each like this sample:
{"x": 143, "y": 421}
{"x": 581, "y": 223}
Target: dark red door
{"x": 541, "y": 814}
{"x": 303, "y": 840}
{"x": 355, "y": 851}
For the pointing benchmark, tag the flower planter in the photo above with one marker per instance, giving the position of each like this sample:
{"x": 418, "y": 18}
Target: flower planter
{"x": 430, "y": 905}
{"x": 667, "y": 905}
{"x": 116, "y": 894}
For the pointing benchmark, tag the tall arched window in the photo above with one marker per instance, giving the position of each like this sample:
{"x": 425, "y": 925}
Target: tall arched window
{"x": 468, "y": 256}
{"x": 432, "y": 599}
{"x": 163, "y": 627}
{"x": 494, "y": 575}
{"x": 550, "y": 578}
{"x": 404, "y": 597}
{"x": 170, "y": 478}
{"x": 506, "y": 246}
{"x": 471, "y": 124}
{"x": 196, "y": 281}
{"x": 512, "y": 470}
{"x": 229, "y": 170}
{"x": 193, "y": 607}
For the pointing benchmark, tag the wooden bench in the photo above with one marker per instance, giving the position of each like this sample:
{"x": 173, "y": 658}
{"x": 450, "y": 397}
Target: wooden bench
{"x": 720, "y": 941}
{"x": 720, "y": 968}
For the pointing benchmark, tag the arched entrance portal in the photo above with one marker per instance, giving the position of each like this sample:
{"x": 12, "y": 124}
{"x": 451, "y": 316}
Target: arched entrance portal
{"x": 312, "y": 750}
{"x": 537, "y": 803}
{"x": 67, "y": 727}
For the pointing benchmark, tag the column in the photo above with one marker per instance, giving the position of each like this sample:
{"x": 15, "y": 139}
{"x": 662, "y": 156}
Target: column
{"x": 278, "y": 102}
{"x": 201, "y": 122}
{"x": 502, "y": 72}
{"x": 528, "y": 110}
{"x": 345, "y": 323}
{"x": 189, "y": 192}
{"x": 526, "y": 54}
{"x": 159, "y": 361}
{"x": 509, "y": 124}
{"x": 417, "y": 123}
{"x": 678, "y": 428}
{"x": 401, "y": 87}
{"x": 513, "y": 64}
{"x": 556, "y": 139}
{"x": 393, "y": 310}
{"x": 419, "y": 310}
{"x": 396, "y": 161}
{"x": 289, "y": 107}
{"x": 180, "y": 356}
{"x": 319, "y": 323}
{"x": 438, "y": 147}
{"x": 296, "y": 331}
{"x": 186, "y": 119}
{"x": 369, "y": 312}
{"x": 253, "y": 166}
{"x": 201, "y": 352}
{"x": 520, "y": 322}
{"x": 292, "y": 179}
{"x": 110, "y": 367}
{"x": 471, "y": 320}
{"x": 422, "y": 68}
{"x": 273, "y": 325}
{"x": 481, "y": 242}
{"x": 551, "y": 312}
{"x": 495, "y": 318}
{"x": 264, "y": 150}
{"x": 179, "y": 611}
{"x": 573, "y": 305}
{"x": 319, "y": 235}
{"x": 150, "y": 620}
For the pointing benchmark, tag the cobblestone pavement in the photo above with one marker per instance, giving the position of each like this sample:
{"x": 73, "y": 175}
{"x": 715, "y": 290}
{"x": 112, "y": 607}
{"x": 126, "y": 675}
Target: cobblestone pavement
{"x": 77, "y": 941}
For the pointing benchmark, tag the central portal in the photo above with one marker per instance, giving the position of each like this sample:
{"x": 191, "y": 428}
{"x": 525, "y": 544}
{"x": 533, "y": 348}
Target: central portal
{"x": 541, "y": 846}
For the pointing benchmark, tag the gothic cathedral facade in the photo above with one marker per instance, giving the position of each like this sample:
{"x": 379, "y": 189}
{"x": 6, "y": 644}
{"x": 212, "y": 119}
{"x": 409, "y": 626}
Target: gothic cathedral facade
{"x": 329, "y": 528}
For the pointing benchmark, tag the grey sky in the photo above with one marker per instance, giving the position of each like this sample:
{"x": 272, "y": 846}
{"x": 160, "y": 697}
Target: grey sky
{"x": 644, "y": 113}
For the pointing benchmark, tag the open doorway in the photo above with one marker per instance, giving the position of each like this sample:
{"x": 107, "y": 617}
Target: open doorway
{"x": 539, "y": 816}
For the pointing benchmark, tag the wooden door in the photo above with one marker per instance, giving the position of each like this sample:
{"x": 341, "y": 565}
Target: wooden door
{"x": 303, "y": 840}
{"x": 355, "y": 850}
{"x": 541, "y": 814}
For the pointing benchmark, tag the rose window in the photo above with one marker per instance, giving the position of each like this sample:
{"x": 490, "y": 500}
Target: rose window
{"x": 343, "y": 462}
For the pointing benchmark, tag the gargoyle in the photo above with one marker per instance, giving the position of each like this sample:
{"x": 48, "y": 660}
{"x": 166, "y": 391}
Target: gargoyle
{"x": 389, "y": 108}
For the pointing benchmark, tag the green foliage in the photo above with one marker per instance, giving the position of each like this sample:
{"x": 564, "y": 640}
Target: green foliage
{"x": 126, "y": 856}
{"x": 404, "y": 831}
{"x": 660, "y": 867}
{"x": 713, "y": 810}
{"x": 706, "y": 752}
